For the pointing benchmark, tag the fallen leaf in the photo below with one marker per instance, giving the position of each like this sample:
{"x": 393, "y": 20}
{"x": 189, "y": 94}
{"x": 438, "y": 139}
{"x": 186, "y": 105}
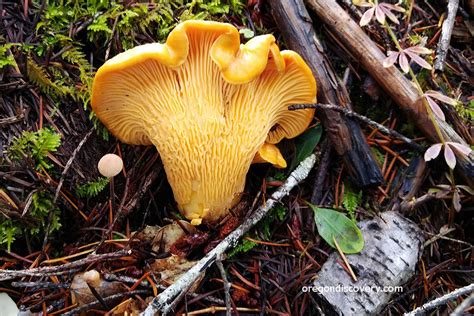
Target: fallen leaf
{"x": 335, "y": 225}
{"x": 82, "y": 294}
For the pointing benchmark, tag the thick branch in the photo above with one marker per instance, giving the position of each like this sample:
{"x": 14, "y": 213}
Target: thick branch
{"x": 400, "y": 89}
{"x": 345, "y": 134}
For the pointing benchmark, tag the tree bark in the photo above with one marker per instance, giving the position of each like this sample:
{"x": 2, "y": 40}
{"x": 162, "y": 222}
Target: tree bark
{"x": 399, "y": 88}
{"x": 345, "y": 134}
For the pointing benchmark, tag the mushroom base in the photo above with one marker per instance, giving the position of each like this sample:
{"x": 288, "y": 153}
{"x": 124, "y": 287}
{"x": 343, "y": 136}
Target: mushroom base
{"x": 208, "y": 178}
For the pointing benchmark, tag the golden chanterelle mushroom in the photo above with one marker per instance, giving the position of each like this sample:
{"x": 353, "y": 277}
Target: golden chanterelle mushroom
{"x": 209, "y": 104}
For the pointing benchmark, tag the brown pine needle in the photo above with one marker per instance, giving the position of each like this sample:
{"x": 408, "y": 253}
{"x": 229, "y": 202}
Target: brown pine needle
{"x": 343, "y": 256}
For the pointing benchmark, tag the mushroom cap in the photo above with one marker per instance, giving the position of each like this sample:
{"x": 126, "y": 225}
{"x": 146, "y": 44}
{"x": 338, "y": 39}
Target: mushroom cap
{"x": 270, "y": 153}
{"x": 92, "y": 277}
{"x": 208, "y": 104}
{"x": 110, "y": 165}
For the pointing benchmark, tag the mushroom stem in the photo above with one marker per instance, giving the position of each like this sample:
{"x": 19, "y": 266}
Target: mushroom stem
{"x": 112, "y": 202}
{"x": 167, "y": 299}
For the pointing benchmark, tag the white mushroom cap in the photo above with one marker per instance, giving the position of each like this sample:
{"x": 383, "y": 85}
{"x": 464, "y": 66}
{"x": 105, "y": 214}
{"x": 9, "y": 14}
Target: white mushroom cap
{"x": 92, "y": 277}
{"x": 110, "y": 165}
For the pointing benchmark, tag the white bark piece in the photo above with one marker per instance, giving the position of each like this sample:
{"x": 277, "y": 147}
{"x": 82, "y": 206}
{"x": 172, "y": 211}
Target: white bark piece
{"x": 392, "y": 249}
{"x": 8, "y": 306}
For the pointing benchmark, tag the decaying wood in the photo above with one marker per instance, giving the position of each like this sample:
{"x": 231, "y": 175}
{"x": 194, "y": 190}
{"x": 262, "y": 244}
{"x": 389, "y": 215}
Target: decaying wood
{"x": 408, "y": 185}
{"x": 389, "y": 258}
{"x": 166, "y": 299}
{"x": 445, "y": 37}
{"x": 318, "y": 187}
{"x": 399, "y": 88}
{"x": 345, "y": 134}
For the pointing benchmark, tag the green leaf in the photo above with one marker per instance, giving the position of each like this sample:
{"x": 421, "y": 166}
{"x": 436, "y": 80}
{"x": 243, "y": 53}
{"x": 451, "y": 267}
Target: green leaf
{"x": 335, "y": 225}
{"x": 247, "y": 33}
{"x": 305, "y": 145}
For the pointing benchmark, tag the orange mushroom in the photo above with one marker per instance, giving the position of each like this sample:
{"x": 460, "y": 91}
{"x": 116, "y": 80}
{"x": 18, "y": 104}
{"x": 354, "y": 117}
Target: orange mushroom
{"x": 209, "y": 104}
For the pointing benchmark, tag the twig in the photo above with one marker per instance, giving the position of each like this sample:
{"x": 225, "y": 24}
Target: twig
{"x": 441, "y": 300}
{"x": 442, "y": 236}
{"x": 361, "y": 118}
{"x": 226, "y": 287}
{"x": 61, "y": 269}
{"x": 411, "y": 204}
{"x": 164, "y": 301}
{"x": 111, "y": 298}
{"x": 35, "y": 286}
{"x": 464, "y": 305}
{"x": 130, "y": 280}
{"x": 69, "y": 163}
{"x": 11, "y": 119}
{"x": 118, "y": 214}
{"x": 445, "y": 38}
{"x": 344, "y": 258}
{"x": 214, "y": 309}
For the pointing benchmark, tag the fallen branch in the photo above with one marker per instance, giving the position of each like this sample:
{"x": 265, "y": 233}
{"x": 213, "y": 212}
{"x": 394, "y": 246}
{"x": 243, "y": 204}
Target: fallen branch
{"x": 322, "y": 173}
{"x": 64, "y": 268}
{"x": 167, "y": 299}
{"x": 219, "y": 264}
{"x": 399, "y": 88}
{"x": 108, "y": 299}
{"x": 445, "y": 37}
{"x": 345, "y": 134}
{"x": 361, "y": 118}
{"x": 468, "y": 302}
{"x": 441, "y": 300}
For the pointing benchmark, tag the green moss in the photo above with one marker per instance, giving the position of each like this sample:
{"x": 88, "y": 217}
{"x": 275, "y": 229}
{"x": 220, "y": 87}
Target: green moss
{"x": 36, "y": 145}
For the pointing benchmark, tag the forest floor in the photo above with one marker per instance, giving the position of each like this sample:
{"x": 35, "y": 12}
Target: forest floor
{"x": 58, "y": 216}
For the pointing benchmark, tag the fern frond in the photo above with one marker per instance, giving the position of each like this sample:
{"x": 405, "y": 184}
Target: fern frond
{"x": 351, "y": 201}
{"x": 36, "y": 145}
{"x": 8, "y": 231}
{"x": 75, "y": 56}
{"x": 38, "y": 76}
{"x": 92, "y": 188}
